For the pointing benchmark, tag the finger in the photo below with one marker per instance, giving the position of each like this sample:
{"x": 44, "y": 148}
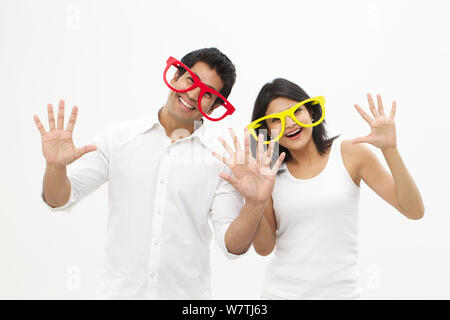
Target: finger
{"x": 226, "y": 146}
{"x": 393, "y": 109}
{"x": 277, "y": 164}
{"x": 259, "y": 150}
{"x": 269, "y": 152}
{"x": 73, "y": 119}
{"x": 275, "y": 133}
{"x": 380, "y": 105}
{"x": 363, "y": 114}
{"x": 236, "y": 143}
{"x": 51, "y": 117}
{"x": 271, "y": 148}
{"x": 83, "y": 150}
{"x": 247, "y": 145}
{"x": 365, "y": 139}
{"x": 372, "y": 106}
{"x": 60, "y": 122}
{"x": 228, "y": 177}
{"x": 220, "y": 158}
{"x": 39, "y": 125}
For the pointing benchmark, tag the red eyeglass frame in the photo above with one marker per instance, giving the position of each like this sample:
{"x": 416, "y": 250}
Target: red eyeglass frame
{"x": 203, "y": 88}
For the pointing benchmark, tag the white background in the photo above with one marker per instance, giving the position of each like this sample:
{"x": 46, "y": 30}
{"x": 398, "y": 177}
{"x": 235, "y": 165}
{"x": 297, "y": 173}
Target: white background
{"x": 107, "y": 57}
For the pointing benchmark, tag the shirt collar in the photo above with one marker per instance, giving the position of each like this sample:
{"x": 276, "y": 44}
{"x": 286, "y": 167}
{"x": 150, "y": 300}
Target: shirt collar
{"x": 200, "y": 130}
{"x": 150, "y": 121}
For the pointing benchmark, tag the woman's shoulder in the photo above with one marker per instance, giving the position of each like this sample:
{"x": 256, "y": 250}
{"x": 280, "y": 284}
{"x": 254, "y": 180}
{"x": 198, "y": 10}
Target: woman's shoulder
{"x": 359, "y": 150}
{"x": 355, "y": 155}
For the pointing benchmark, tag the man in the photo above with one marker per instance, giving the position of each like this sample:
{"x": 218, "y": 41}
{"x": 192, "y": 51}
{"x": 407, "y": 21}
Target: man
{"x": 164, "y": 185}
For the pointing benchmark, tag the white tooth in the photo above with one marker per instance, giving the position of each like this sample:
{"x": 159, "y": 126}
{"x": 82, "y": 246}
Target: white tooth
{"x": 186, "y": 104}
{"x": 293, "y": 133}
{"x": 183, "y": 102}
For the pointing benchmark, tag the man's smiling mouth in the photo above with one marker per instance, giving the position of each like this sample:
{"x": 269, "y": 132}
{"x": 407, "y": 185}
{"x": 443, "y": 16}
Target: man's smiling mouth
{"x": 184, "y": 103}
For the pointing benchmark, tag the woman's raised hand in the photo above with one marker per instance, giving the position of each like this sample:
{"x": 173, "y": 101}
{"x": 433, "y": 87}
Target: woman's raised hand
{"x": 252, "y": 177}
{"x": 383, "y": 133}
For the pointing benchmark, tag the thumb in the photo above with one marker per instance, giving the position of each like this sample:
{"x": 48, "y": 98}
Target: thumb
{"x": 228, "y": 177}
{"x": 361, "y": 140}
{"x": 83, "y": 150}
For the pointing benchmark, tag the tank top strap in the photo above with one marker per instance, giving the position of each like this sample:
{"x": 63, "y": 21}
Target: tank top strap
{"x": 336, "y": 149}
{"x": 335, "y": 153}
{"x": 339, "y": 163}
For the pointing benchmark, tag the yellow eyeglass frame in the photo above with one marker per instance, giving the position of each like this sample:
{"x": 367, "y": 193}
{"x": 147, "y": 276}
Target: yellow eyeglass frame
{"x": 289, "y": 112}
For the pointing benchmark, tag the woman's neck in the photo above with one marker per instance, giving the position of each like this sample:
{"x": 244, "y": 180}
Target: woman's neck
{"x": 306, "y": 155}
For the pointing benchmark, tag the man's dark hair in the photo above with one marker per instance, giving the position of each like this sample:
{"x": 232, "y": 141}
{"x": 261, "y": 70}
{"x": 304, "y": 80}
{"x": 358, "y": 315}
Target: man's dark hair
{"x": 217, "y": 61}
{"x": 287, "y": 89}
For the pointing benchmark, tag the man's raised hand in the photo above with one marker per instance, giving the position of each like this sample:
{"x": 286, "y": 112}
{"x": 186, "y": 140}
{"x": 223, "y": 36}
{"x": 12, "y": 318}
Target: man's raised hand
{"x": 57, "y": 143}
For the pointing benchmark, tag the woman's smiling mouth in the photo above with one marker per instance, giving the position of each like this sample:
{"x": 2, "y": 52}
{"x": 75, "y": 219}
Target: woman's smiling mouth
{"x": 294, "y": 134}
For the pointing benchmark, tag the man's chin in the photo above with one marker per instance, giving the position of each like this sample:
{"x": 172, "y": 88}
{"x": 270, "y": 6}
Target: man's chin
{"x": 178, "y": 115}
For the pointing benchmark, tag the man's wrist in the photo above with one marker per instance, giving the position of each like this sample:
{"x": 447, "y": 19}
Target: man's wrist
{"x": 55, "y": 168}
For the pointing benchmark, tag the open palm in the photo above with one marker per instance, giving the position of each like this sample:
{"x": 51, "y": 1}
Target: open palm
{"x": 253, "y": 178}
{"x": 383, "y": 132}
{"x": 57, "y": 144}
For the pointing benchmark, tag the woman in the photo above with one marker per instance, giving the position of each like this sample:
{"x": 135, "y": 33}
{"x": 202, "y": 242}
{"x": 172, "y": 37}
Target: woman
{"x": 312, "y": 216}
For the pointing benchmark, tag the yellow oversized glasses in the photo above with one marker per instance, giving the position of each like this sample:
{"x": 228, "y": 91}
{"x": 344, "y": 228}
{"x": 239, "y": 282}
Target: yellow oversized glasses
{"x": 297, "y": 113}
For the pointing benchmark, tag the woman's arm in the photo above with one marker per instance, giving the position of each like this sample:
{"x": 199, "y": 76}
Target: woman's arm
{"x": 264, "y": 242}
{"x": 397, "y": 187}
{"x": 254, "y": 179}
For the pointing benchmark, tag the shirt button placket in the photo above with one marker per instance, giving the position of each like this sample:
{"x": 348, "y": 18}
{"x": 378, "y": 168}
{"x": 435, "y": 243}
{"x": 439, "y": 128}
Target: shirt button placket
{"x": 158, "y": 217}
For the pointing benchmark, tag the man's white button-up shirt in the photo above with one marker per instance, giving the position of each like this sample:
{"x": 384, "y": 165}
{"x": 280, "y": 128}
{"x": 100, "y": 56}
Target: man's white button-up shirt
{"x": 161, "y": 197}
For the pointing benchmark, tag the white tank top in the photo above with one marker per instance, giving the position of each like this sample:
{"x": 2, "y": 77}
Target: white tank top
{"x": 316, "y": 245}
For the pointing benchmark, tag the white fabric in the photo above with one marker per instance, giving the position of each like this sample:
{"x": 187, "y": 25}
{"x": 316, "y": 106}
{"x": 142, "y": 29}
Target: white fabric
{"x": 161, "y": 197}
{"x": 316, "y": 245}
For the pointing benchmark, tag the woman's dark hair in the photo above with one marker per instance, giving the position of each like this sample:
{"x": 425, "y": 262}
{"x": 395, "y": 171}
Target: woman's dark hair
{"x": 216, "y": 60}
{"x": 287, "y": 89}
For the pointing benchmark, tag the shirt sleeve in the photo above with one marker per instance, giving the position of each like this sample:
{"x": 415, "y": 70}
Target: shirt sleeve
{"x": 226, "y": 206}
{"x": 87, "y": 173}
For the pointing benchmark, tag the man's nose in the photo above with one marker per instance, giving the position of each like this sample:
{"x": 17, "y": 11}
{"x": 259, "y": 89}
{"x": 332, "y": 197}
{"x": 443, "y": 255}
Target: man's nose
{"x": 193, "y": 94}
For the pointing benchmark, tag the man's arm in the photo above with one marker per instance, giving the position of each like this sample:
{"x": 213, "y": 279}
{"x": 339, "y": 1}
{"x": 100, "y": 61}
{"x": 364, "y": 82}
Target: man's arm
{"x": 59, "y": 151}
{"x": 56, "y": 188}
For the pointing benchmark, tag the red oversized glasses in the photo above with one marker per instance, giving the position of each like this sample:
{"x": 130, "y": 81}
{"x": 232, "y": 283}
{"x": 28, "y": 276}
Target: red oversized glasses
{"x": 185, "y": 80}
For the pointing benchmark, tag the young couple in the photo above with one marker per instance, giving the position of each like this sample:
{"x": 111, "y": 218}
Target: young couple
{"x": 303, "y": 202}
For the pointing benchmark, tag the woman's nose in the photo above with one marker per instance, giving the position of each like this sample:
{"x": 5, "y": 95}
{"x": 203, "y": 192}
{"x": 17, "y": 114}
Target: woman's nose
{"x": 290, "y": 122}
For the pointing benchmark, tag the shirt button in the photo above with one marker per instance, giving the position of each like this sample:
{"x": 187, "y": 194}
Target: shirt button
{"x": 153, "y": 275}
{"x": 155, "y": 242}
